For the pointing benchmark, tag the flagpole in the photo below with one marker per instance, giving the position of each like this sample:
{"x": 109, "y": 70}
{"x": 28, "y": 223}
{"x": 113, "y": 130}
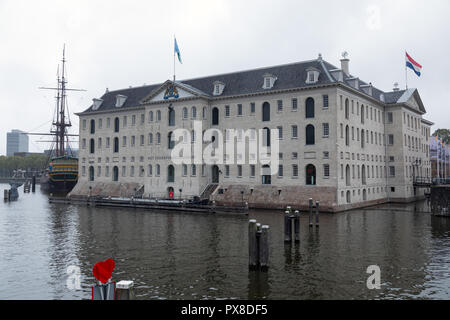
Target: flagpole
{"x": 174, "y": 58}
{"x": 406, "y": 73}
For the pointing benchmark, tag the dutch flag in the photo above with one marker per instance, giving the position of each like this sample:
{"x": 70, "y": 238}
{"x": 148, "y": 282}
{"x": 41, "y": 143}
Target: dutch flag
{"x": 410, "y": 63}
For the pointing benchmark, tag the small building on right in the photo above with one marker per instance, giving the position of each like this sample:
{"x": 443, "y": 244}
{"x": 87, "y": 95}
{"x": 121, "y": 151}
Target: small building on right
{"x": 439, "y": 158}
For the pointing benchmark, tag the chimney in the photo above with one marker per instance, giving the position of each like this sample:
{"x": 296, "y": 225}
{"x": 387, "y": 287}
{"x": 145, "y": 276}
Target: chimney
{"x": 345, "y": 66}
{"x": 396, "y": 88}
{"x": 367, "y": 88}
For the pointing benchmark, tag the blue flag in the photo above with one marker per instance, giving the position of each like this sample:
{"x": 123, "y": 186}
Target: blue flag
{"x": 177, "y": 51}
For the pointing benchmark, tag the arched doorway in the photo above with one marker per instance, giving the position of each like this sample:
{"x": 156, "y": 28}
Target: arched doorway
{"x": 215, "y": 117}
{"x": 170, "y": 192}
{"x": 91, "y": 174}
{"x": 266, "y": 175}
{"x": 115, "y": 174}
{"x": 215, "y": 174}
{"x": 310, "y": 175}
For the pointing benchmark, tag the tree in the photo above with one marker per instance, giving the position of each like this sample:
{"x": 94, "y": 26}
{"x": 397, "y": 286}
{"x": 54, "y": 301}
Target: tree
{"x": 443, "y": 134}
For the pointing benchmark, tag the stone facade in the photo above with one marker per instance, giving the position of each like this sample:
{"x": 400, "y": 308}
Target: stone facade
{"x": 360, "y": 153}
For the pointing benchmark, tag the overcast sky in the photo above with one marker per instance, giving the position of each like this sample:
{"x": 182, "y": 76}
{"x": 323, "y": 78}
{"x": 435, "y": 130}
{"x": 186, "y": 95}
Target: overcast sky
{"x": 117, "y": 44}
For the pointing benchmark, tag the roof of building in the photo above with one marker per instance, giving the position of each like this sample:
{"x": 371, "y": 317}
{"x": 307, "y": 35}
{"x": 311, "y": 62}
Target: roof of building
{"x": 289, "y": 76}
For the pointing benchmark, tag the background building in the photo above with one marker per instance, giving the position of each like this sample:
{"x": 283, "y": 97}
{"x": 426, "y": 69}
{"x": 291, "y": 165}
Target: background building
{"x": 440, "y": 158}
{"x": 16, "y": 141}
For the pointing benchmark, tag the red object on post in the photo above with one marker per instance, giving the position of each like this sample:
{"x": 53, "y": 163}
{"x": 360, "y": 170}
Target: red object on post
{"x": 103, "y": 270}
{"x": 171, "y": 195}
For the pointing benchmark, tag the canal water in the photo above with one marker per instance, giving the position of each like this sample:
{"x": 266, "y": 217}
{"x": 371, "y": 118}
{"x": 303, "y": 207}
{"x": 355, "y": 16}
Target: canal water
{"x": 172, "y": 255}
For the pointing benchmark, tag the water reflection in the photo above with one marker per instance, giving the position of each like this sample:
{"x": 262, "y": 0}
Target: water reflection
{"x": 203, "y": 256}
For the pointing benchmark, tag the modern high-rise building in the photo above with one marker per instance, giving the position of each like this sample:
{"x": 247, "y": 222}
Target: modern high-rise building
{"x": 16, "y": 141}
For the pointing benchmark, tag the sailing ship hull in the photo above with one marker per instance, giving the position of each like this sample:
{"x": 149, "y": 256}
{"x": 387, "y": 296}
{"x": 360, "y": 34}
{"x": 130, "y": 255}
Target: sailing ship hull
{"x": 62, "y": 175}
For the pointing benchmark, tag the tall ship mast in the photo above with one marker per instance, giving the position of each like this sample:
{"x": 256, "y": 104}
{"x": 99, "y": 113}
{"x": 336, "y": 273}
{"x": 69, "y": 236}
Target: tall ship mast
{"x": 62, "y": 172}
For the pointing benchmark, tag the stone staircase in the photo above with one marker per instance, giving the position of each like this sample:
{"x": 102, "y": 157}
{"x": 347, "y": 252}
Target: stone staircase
{"x": 208, "y": 191}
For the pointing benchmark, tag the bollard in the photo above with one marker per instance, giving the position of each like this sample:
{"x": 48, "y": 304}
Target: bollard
{"x": 264, "y": 248}
{"x": 310, "y": 212}
{"x": 287, "y": 228}
{"x": 6, "y": 195}
{"x": 317, "y": 214}
{"x": 252, "y": 245}
{"x": 297, "y": 226}
{"x": 124, "y": 290}
{"x": 104, "y": 291}
{"x": 33, "y": 184}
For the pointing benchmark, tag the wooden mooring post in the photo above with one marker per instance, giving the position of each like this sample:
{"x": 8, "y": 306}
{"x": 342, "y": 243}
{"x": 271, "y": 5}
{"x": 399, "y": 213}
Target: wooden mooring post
{"x": 297, "y": 226}
{"x": 124, "y": 290}
{"x": 258, "y": 246}
{"x": 287, "y": 227}
{"x": 317, "y": 214}
{"x": 311, "y": 212}
{"x": 6, "y": 196}
{"x": 33, "y": 184}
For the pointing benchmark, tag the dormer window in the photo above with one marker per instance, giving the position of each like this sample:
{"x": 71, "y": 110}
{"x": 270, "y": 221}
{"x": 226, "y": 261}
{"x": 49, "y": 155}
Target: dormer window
{"x": 218, "y": 88}
{"x": 120, "y": 100}
{"x": 97, "y": 103}
{"x": 269, "y": 81}
{"x": 312, "y": 75}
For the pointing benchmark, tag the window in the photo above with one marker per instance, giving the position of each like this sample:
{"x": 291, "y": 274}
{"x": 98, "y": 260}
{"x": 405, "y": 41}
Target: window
{"x": 170, "y": 173}
{"x": 391, "y": 139}
{"x": 133, "y": 120}
{"x": 326, "y": 155}
{"x": 239, "y": 168}
{"x": 294, "y": 104}
{"x": 309, "y": 112}
{"x": 392, "y": 171}
{"x": 158, "y": 170}
{"x": 362, "y": 114}
{"x": 142, "y": 139}
{"x": 133, "y": 141}
{"x": 295, "y": 171}
{"x": 310, "y": 175}
{"x": 84, "y": 124}
{"x": 158, "y": 115}
{"x": 92, "y": 126}
{"x": 294, "y": 132}
{"x": 347, "y": 111}
{"x": 150, "y": 170}
{"x": 171, "y": 116}
{"x": 108, "y": 142}
{"x": 347, "y": 136}
{"x": 326, "y": 170}
{"x": 92, "y": 146}
{"x": 100, "y": 123}
{"x": 326, "y": 130}
{"x": 150, "y": 138}
{"x": 142, "y": 119}
{"x": 294, "y": 155}
{"x": 170, "y": 141}
{"x": 252, "y": 107}
{"x": 124, "y": 171}
{"x": 150, "y": 116}
{"x": 280, "y": 133}
{"x": 158, "y": 138}
{"x": 215, "y": 117}
{"x": 116, "y": 144}
{"x": 239, "y": 109}
{"x": 310, "y": 135}
{"x": 83, "y": 144}
{"x": 99, "y": 143}
{"x": 280, "y": 171}
{"x": 204, "y": 113}
{"x": 280, "y": 105}
{"x": 325, "y": 102}
{"x": 252, "y": 170}
{"x": 115, "y": 174}
{"x": 266, "y": 111}
{"x": 132, "y": 171}
{"x": 266, "y": 137}
{"x": 194, "y": 113}
{"x": 124, "y": 124}
{"x": 227, "y": 111}
{"x": 185, "y": 113}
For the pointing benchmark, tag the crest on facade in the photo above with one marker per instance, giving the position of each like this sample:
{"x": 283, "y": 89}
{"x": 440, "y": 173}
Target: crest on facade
{"x": 171, "y": 92}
